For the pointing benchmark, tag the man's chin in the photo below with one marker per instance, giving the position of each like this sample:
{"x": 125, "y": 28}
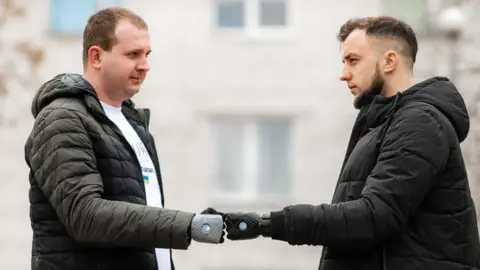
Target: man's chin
{"x": 130, "y": 92}
{"x": 356, "y": 103}
{"x": 134, "y": 89}
{"x": 362, "y": 99}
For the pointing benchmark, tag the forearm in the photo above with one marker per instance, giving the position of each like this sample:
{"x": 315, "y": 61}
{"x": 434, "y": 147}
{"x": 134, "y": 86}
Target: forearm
{"x": 353, "y": 224}
{"x": 99, "y": 222}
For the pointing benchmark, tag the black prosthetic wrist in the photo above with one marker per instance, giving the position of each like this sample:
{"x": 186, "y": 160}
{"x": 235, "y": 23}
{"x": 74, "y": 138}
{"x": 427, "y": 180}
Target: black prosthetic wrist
{"x": 265, "y": 228}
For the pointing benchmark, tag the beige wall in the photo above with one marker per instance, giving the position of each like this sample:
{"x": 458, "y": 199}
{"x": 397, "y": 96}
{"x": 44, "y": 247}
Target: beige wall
{"x": 198, "y": 72}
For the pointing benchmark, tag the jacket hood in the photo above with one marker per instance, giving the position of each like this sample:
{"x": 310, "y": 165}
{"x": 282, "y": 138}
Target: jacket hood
{"x": 443, "y": 95}
{"x": 62, "y": 85}
{"x": 437, "y": 91}
{"x": 75, "y": 86}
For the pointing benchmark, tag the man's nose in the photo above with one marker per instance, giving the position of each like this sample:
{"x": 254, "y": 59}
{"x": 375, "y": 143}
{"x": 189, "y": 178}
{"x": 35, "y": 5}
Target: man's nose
{"x": 143, "y": 66}
{"x": 345, "y": 75}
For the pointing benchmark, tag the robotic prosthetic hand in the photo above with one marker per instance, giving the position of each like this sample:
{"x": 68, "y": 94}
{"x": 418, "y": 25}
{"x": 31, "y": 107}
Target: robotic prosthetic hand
{"x": 244, "y": 226}
{"x": 208, "y": 227}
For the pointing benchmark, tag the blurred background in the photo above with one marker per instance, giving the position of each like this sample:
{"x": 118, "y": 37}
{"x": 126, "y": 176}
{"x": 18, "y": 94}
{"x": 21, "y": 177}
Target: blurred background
{"x": 247, "y": 108}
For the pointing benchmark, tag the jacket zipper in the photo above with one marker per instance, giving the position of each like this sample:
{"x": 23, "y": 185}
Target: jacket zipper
{"x": 146, "y": 117}
{"x": 384, "y": 258}
{"x": 125, "y": 143}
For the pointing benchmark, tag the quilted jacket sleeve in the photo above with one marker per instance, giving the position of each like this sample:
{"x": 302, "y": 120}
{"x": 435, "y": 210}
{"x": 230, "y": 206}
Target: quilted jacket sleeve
{"x": 64, "y": 166}
{"x": 414, "y": 151}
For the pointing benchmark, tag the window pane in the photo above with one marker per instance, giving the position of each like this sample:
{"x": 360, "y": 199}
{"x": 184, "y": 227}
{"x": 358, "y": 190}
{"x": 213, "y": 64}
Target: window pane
{"x": 230, "y": 13}
{"x": 410, "y": 11}
{"x": 274, "y": 174}
{"x": 273, "y": 13}
{"x": 228, "y": 140}
{"x": 70, "y": 17}
{"x": 101, "y": 4}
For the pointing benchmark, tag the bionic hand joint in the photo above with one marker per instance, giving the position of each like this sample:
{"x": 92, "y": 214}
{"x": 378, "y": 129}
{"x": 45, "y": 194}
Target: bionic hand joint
{"x": 262, "y": 224}
{"x": 207, "y": 228}
{"x": 265, "y": 230}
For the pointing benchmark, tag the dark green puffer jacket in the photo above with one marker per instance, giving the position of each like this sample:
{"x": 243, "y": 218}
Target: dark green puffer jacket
{"x": 88, "y": 204}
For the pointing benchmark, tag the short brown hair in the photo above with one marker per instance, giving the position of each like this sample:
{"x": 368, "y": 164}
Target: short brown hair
{"x": 100, "y": 28}
{"x": 384, "y": 27}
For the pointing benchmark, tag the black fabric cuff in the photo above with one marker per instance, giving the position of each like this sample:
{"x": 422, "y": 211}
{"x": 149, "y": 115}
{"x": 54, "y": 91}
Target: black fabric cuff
{"x": 189, "y": 232}
{"x": 278, "y": 226}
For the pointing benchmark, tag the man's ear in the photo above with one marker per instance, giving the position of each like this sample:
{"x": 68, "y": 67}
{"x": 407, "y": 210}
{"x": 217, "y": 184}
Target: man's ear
{"x": 95, "y": 56}
{"x": 390, "y": 61}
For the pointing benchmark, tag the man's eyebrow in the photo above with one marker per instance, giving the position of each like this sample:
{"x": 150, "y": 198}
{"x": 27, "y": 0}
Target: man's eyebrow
{"x": 140, "y": 51}
{"x": 349, "y": 56}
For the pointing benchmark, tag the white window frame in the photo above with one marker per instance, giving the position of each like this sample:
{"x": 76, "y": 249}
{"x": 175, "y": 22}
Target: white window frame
{"x": 253, "y": 29}
{"x": 250, "y": 188}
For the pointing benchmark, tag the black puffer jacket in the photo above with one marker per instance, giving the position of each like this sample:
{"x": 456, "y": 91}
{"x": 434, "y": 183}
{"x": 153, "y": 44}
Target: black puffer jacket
{"x": 87, "y": 195}
{"x": 403, "y": 199}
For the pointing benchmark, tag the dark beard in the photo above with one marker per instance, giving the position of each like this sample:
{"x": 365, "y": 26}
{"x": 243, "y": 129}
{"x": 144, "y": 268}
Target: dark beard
{"x": 369, "y": 94}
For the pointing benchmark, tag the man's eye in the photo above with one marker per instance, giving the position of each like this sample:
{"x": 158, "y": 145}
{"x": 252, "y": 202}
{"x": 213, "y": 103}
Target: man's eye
{"x": 353, "y": 61}
{"x": 132, "y": 54}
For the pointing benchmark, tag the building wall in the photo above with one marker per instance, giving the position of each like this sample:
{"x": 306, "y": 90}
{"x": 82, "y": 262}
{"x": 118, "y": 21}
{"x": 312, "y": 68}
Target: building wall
{"x": 197, "y": 73}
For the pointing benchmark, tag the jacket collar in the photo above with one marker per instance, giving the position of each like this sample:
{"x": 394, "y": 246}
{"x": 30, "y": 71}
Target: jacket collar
{"x": 93, "y": 103}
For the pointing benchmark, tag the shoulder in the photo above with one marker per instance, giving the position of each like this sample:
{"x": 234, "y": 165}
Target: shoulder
{"x": 415, "y": 128}
{"x": 417, "y": 116}
{"x": 65, "y": 107}
{"x": 60, "y": 116}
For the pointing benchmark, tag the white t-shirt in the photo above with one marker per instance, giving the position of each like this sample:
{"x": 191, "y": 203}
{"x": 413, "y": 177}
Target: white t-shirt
{"x": 150, "y": 180}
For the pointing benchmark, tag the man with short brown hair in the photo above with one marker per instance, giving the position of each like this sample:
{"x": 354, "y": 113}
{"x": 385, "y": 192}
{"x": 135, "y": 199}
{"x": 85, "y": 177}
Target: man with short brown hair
{"x": 96, "y": 190}
{"x": 100, "y": 29}
{"x": 402, "y": 200}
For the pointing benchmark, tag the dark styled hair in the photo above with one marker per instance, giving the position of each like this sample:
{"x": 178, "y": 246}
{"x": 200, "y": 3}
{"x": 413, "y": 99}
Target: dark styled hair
{"x": 384, "y": 27}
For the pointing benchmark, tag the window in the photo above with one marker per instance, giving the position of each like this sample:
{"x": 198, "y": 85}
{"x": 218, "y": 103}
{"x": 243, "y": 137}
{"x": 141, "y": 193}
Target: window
{"x": 414, "y": 12}
{"x": 255, "y": 17}
{"x": 273, "y": 13}
{"x": 231, "y": 14}
{"x": 411, "y": 11}
{"x": 70, "y": 17}
{"x": 252, "y": 157}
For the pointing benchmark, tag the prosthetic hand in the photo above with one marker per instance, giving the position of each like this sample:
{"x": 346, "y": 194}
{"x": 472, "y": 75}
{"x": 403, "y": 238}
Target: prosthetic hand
{"x": 244, "y": 226}
{"x": 208, "y": 227}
